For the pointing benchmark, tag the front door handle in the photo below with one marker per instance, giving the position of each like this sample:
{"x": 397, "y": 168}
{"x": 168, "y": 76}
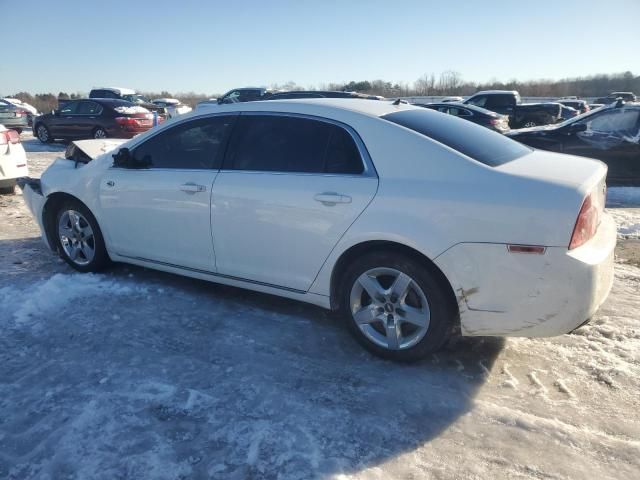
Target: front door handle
{"x": 191, "y": 187}
{"x": 329, "y": 199}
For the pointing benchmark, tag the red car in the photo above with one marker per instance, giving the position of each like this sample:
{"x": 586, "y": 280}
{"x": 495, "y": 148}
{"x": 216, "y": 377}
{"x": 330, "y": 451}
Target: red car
{"x": 94, "y": 118}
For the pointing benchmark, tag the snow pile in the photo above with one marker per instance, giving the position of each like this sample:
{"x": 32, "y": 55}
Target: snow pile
{"x": 48, "y": 297}
{"x": 131, "y": 110}
{"x": 627, "y": 220}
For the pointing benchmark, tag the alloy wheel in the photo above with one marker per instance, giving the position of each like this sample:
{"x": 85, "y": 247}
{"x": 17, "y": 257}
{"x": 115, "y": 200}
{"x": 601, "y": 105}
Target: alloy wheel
{"x": 76, "y": 237}
{"x": 100, "y": 133}
{"x": 43, "y": 134}
{"x": 390, "y": 308}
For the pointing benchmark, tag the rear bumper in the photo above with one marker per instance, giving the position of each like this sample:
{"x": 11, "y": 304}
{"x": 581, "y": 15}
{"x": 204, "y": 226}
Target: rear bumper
{"x": 529, "y": 295}
{"x": 35, "y": 201}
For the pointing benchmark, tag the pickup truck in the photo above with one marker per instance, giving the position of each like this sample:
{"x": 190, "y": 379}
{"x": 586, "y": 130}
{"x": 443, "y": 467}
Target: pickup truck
{"x": 508, "y": 102}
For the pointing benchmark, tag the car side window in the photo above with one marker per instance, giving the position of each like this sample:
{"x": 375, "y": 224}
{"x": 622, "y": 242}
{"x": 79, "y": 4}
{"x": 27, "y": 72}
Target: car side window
{"x": 620, "y": 120}
{"x": 191, "y": 145}
{"x": 499, "y": 101}
{"x": 89, "y": 108}
{"x": 479, "y": 101}
{"x": 232, "y": 97}
{"x": 278, "y": 143}
{"x": 69, "y": 108}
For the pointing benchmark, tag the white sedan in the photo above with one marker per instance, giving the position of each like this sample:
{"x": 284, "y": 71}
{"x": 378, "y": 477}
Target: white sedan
{"x": 174, "y": 106}
{"x": 13, "y": 160}
{"x": 413, "y": 224}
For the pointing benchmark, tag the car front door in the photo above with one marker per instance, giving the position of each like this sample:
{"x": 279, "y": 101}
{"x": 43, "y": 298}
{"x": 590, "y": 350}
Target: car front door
{"x": 64, "y": 123}
{"x": 289, "y": 189}
{"x": 612, "y": 136}
{"x": 159, "y": 209}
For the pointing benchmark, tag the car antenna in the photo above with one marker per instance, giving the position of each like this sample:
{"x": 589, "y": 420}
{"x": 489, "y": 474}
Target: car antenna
{"x": 398, "y": 102}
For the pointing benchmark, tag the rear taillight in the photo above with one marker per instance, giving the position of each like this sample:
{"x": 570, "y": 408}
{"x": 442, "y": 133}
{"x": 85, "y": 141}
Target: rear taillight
{"x": 20, "y": 113}
{"x": 10, "y": 136}
{"x": 126, "y": 121}
{"x": 494, "y": 121}
{"x": 586, "y": 224}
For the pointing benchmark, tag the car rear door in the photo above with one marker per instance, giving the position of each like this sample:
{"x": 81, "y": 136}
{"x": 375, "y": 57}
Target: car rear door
{"x": 289, "y": 189}
{"x": 87, "y": 118}
{"x": 162, "y": 213}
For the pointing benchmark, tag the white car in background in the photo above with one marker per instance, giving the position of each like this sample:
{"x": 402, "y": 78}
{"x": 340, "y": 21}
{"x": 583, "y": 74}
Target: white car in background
{"x": 32, "y": 112}
{"x": 174, "y": 106}
{"x": 412, "y": 223}
{"x": 13, "y": 160}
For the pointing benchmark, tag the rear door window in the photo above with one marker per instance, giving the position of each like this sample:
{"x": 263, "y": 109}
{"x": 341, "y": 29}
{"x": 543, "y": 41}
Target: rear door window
{"x": 474, "y": 141}
{"x": 192, "y": 145}
{"x": 89, "y": 108}
{"x": 69, "y": 108}
{"x": 279, "y": 143}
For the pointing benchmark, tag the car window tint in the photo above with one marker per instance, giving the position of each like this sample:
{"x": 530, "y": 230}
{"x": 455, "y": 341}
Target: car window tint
{"x": 342, "y": 155}
{"x": 192, "y": 145}
{"x": 620, "y": 120}
{"x": 279, "y": 143}
{"x": 499, "y": 101}
{"x": 472, "y": 140}
{"x": 479, "y": 101}
{"x": 69, "y": 108}
{"x": 89, "y": 108}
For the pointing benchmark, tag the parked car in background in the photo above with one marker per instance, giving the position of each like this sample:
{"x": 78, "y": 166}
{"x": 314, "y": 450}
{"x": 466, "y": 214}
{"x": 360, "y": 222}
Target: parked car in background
{"x": 294, "y": 94}
{"x": 452, "y": 99}
{"x": 613, "y": 96}
{"x": 567, "y": 112}
{"x": 207, "y": 103}
{"x": 401, "y": 218}
{"x": 14, "y": 117}
{"x": 508, "y": 102}
{"x": 173, "y": 106}
{"x": 32, "y": 112}
{"x": 13, "y": 160}
{"x": 128, "y": 95}
{"x": 93, "y": 118}
{"x": 480, "y": 116}
{"x": 246, "y": 94}
{"x": 580, "y": 105}
{"x": 610, "y": 134}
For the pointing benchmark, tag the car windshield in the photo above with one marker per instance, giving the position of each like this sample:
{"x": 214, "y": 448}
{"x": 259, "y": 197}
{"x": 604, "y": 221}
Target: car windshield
{"x": 474, "y": 141}
{"x": 136, "y": 98}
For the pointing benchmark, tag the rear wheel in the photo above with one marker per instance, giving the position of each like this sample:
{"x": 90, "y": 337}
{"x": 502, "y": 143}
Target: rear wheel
{"x": 79, "y": 238}
{"x": 43, "y": 134}
{"x": 530, "y": 124}
{"x": 396, "y": 307}
{"x": 99, "y": 132}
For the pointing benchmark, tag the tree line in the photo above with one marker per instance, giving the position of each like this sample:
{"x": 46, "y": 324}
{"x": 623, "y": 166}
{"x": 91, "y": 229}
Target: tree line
{"x": 446, "y": 83}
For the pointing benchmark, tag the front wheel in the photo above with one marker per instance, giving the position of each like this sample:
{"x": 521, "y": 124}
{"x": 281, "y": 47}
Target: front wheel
{"x": 396, "y": 307}
{"x": 43, "y": 134}
{"x": 79, "y": 239}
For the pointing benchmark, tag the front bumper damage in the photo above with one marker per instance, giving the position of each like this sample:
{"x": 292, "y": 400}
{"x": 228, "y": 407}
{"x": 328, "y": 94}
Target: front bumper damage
{"x": 35, "y": 200}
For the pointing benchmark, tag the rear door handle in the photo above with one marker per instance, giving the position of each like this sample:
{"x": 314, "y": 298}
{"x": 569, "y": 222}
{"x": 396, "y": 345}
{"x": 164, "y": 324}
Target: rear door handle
{"x": 191, "y": 187}
{"x": 331, "y": 198}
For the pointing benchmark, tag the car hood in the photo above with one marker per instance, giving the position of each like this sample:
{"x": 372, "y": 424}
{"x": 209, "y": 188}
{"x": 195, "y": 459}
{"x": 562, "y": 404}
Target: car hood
{"x": 95, "y": 148}
{"x": 532, "y": 130}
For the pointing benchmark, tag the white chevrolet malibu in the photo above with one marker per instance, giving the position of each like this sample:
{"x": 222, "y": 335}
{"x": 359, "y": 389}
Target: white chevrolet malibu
{"x": 412, "y": 223}
{"x": 13, "y": 160}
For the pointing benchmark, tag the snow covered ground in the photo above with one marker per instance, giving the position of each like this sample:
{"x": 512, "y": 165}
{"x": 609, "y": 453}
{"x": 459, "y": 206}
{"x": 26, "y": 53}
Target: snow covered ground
{"x": 138, "y": 374}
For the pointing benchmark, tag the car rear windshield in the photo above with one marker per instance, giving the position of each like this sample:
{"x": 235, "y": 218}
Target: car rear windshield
{"x": 474, "y": 141}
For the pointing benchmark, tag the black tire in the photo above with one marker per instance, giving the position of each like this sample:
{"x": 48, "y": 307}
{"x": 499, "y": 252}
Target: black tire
{"x": 43, "y": 133}
{"x": 443, "y": 311}
{"x": 99, "y": 132}
{"x": 7, "y": 187}
{"x": 100, "y": 259}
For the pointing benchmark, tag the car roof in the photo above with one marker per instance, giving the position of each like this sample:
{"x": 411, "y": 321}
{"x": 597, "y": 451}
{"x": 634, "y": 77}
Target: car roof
{"x": 358, "y": 105}
{"x": 111, "y": 102}
{"x": 118, "y": 90}
{"x": 483, "y": 92}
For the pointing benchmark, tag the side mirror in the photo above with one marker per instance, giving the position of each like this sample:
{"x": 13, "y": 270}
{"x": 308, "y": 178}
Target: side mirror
{"x": 577, "y": 127}
{"x": 124, "y": 159}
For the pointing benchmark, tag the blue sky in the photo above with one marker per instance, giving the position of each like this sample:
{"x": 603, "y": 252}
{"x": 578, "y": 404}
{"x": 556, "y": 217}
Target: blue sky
{"x": 213, "y": 46}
